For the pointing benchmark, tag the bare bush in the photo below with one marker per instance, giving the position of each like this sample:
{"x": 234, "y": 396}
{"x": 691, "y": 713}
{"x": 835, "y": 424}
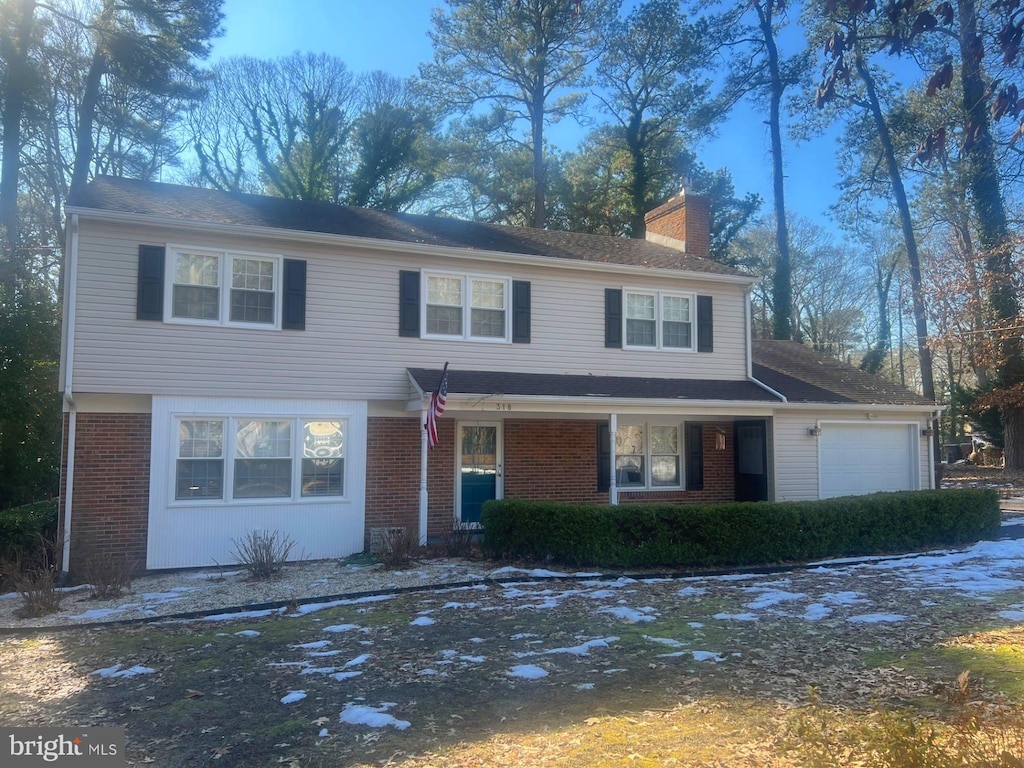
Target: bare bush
{"x": 262, "y": 553}
{"x": 399, "y": 547}
{"x": 109, "y": 573}
{"x": 35, "y": 576}
{"x": 460, "y": 541}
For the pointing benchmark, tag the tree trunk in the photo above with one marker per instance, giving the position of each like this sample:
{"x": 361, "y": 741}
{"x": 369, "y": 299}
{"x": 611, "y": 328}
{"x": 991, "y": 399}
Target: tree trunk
{"x": 782, "y": 276}
{"x": 993, "y": 230}
{"x": 86, "y": 119}
{"x": 906, "y": 224}
{"x": 14, "y": 89}
{"x": 638, "y": 184}
{"x": 924, "y": 351}
{"x": 539, "y": 177}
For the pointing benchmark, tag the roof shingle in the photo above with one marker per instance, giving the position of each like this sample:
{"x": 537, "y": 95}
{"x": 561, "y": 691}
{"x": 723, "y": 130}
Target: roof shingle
{"x": 172, "y": 201}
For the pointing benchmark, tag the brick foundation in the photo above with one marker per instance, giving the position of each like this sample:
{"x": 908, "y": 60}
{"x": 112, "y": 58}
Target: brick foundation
{"x": 110, "y": 504}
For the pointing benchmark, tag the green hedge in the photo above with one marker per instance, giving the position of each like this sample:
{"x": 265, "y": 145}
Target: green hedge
{"x": 20, "y": 527}
{"x": 735, "y": 534}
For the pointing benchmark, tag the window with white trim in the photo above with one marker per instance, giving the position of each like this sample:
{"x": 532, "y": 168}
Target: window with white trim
{"x": 648, "y": 456}
{"x": 466, "y": 307}
{"x": 271, "y": 458}
{"x": 658, "y": 320}
{"x": 224, "y": 288}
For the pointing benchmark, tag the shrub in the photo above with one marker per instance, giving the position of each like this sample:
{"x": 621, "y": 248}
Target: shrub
{"x": 460, "y": 541}
{"x": 34, "y": 573}
{"x": 109, "y": 574}
{"x": 735, "y": 534}
{"x": 20, "y": 527}
{"x": 262, "y": 553}
{"x": 398, "y": 547}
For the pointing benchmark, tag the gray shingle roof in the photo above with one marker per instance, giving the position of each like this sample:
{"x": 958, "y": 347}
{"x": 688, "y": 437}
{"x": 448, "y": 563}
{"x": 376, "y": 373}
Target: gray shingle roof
{"x": 211, "y": 206}
{"x": 794, "y": 370}
{"x": 506, "y": 383}
{"x": 805, "y": 376}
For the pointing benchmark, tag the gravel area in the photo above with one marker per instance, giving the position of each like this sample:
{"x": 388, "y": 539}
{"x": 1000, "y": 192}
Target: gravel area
{"x": 214, "y": 589}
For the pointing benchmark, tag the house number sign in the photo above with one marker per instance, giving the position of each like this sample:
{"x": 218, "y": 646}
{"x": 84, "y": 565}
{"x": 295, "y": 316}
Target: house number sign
{"x": 503, "y": 406}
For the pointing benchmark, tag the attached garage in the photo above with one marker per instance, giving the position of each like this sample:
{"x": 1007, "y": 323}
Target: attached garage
{"x": 856, "y": 458}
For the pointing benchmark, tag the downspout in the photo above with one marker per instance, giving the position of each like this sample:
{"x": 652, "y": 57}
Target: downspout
{"x": 70, "y": 301}
{"x": 748, "y": 318}
{"x": 932, "y": 478}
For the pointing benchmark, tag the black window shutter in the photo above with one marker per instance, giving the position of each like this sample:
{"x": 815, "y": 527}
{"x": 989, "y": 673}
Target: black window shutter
{"x": 149, "y": 298}
{"x": 705, "y": 325}
{"x": 604, "y": 457}
{"x": 294, "y": 304}
{"x": 695, "y": 457}
{"x": 613, "y": 317}
{"x": 409, "y": 303}
{"x": 520, "y": 311}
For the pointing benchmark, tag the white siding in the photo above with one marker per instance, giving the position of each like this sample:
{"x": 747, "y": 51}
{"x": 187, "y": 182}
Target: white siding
{"x": 796, "y": 452}
{"x": 185, "y": 534}
{"x": 351, "y": 348}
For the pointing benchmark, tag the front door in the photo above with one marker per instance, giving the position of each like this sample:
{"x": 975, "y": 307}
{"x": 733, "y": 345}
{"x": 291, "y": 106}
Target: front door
{"x": 479, "y": 469}
{"x": 750, "y": 440}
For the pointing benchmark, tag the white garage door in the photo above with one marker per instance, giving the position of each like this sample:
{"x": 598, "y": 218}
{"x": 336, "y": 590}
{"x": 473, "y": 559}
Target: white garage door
{"x": 865, "y": 458}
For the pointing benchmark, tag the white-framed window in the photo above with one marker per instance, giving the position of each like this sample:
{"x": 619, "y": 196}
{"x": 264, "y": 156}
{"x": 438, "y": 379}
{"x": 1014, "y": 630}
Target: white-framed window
{"x": 658, "y": 320}
{"x": 223, "y": 288}
{"x": 648, "y": 456}
{"x": 270, "y": 458}
{"x": 473, "y": 307}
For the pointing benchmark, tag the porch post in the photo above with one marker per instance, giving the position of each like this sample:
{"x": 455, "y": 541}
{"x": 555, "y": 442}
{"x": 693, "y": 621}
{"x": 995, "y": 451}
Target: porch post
{"x": 424, "y": 451}
{"x": 613, "y": 486}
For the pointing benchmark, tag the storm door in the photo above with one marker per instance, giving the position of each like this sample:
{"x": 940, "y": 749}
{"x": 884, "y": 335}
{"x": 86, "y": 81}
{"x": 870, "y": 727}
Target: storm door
{"x": 479, "y": 469}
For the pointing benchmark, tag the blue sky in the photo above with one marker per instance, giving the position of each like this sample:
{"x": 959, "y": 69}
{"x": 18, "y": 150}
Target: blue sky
{"x": 391, "y": 35}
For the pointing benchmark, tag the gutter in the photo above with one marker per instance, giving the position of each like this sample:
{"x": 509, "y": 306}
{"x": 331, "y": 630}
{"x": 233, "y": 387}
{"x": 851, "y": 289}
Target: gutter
{"x": 70, "y": 306}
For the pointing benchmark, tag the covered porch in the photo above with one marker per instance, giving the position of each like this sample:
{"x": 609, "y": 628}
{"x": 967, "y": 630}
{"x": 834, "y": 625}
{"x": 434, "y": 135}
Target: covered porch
{"x": 515, "y": 435}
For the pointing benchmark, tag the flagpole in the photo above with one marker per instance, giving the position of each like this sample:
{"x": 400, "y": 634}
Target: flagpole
{"x": 424, "y": 450}
{"x": 426, "y": 417}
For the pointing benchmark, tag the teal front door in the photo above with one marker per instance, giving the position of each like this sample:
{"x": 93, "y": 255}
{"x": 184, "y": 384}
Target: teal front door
{"x": 479, "y": 469}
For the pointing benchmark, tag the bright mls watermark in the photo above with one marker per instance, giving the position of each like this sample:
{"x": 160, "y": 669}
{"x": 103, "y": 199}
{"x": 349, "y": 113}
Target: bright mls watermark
{"x": 81, "y": 747}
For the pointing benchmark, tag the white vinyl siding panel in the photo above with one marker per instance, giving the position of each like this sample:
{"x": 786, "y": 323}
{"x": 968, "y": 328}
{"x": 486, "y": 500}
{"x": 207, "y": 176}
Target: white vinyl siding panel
{"x": 351, "y": 348}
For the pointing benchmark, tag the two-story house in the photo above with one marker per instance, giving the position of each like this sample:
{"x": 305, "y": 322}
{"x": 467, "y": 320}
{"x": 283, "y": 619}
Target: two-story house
{"x": 236, "y": 362}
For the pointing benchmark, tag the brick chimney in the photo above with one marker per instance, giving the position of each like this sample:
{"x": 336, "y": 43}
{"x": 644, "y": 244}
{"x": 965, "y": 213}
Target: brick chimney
{"x": 683, "y": 223}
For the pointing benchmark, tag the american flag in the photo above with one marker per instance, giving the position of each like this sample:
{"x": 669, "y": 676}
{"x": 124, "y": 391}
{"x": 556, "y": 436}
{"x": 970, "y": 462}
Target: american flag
{"x": 438, "y": 398}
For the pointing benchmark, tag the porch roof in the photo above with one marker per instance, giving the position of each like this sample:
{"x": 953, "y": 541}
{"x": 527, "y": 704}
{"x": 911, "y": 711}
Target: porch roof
{"x": 510, "y": 384}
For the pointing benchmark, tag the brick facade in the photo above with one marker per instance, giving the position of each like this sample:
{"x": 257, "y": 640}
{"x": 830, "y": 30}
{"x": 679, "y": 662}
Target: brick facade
{"x": 110, "y": 504}
{"x": 393, "y": 475}
{"x": 543, "y": 459}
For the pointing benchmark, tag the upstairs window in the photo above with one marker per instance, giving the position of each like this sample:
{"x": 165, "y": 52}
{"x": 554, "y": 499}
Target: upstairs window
{"x": 467, "y": 307}
{"x": 224, "y": 288}
{"x": 658, "y": 320}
